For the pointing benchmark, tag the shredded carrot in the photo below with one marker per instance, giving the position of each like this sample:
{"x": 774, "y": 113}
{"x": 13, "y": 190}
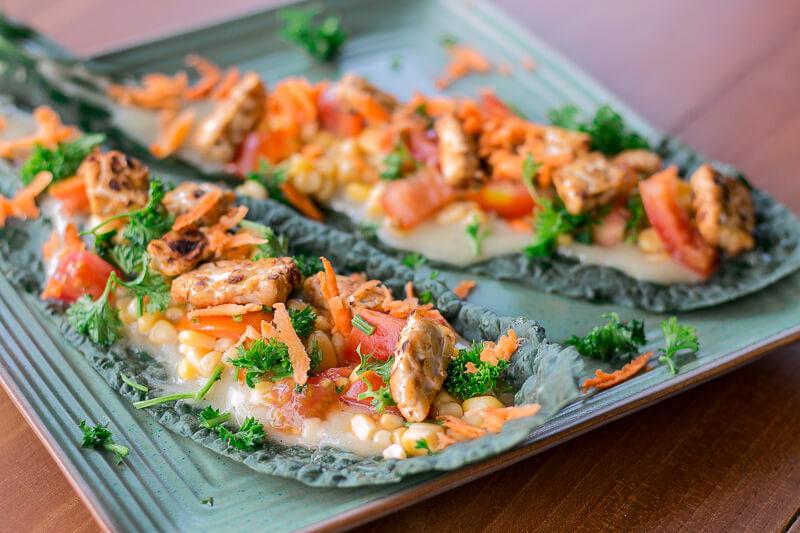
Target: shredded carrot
{"x": 528, "y": 63}
{"x": 470, "y": 368}
{"x": 311, "y": 151}
{"x": 605, "y": 380}
{"x": 443, "y": 440}
{"x": 463, "y": 60}
{"x": 340, "y": 312}
{"x": 205, "y": 204}
{"x": 503, "y": 350}
{"x": 520, "y": 225}
{"x": 495, "y": 417}
{"x": 225, "y": 86}
{"x": 230, "y": 219}
{"x": 268, "y": 330}
{"x": 54, "y": 288}
{"x": 301, "y": 363}
{"x": 72, "y": 194}
{"x": 174, "y": 130}
{"x": 224, "y": 310}
{"x": 504, "y": 68}
{"x": 364, "y": 288}
{"x": 300, "y": 201}
{"x": 51, "y": 245}
{"x": 23, "y": 205}
{"x": 462, "y": 428}
{"x": 2, "y": 124}
{"x": 409, "y": 288}
{"x": 72, "y": 240}
{"x": 49, "y": 131}
{"x": 158, "y": 91}
{"x": 464, "y": 287}
{"x": 244, "y": 239}
{"x": 210, "y": 75}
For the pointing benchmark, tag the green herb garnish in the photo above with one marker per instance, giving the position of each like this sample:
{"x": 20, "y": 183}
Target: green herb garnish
{"x": 276, "y": 245}
{"x": 380, "y": 398}
{"x": 308, "y": 265}
{"x": 62, "y": 162}
{"x": 553, "y": 220}
{"x": 321, "y": 40}
{"x": 610, "y": 135}
{"x": 615, "y": 338}
{"x": 99, "y": 437}
{"x": 415, "y": 260}
{"x": 263, "y": 356}
{"x": 132, "y": 383}
{"x": 247, "y": 438}
{"x": 529, "y": 170}
{"x": 396, "y": 162}
{"x": 208, "y": 501}
{"x": 678, "y": 338}
{"x": 196, "y": 396}
{"x": 422, "y": 444}
{"x": 476, "y": 236}
{"x": 368, "y": 362}
{"x": 212, "y": 417}
{"x": 463, "y": 384}
{"x": 362, "y": 325}
{"x": 637, "y": 218}
{"x": 96, "y": 319}
{"x": 303, "y": 321}
{"x": 150, "y": 285}
{"x": 425, "y": 297}
{"x": 270, "y": 178}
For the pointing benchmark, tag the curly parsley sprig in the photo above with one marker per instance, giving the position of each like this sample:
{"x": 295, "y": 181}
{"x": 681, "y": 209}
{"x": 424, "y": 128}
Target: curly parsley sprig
{"x": 62, "y": 161}
{"x": 99, "y": 437}
{"x": 468, "y": 376}
{"x": 610, "y": 340}
{"x": 250, "y": 435}
{"x": 263, "y": 356}
{"x": 678, "y": 338}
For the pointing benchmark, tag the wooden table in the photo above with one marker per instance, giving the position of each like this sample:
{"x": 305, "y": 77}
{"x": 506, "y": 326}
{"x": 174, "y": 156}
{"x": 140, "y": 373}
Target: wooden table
{"x": 722, "y": 74}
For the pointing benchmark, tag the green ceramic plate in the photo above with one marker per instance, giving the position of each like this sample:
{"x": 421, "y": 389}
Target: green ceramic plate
{"x": 166, "y": 476}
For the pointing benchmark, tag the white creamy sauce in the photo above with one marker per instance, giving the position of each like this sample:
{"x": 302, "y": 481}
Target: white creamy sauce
{"x": 229, "y": 395}
{"x": 17, "y": 123}
{"x": 450, "y": 243}
{"x": 143, "y": 125}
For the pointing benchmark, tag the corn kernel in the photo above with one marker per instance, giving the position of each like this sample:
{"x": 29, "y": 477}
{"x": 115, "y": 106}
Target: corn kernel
{"x": 481, "y": 402}
{"x": 299, "y": 164}
{"x": 194, "y": 355}
{"x": 175, "y": 313}
{"x": 222, "y": 345}
{"x": 443, "y": 397}
{"x": 395, "y": 451}
{"x": 382, "y": 437}
{"x": 147, "y": 321}
{"x": 307, "y": 182}
{"x": 452, "y": 213}
{"x": 326, "y": 168}
{"x": 163, "y": 332}
{"x": 448, "y": 409}
{"x": 348, "y": 170}
{"x": 326, "y": 191}
{"x": 186, "y": 370}
{"x": 564, "y": 240}
{"x": 390, "y": 421}
{"x": 348, "y": 147}
{"x": 417, "y": 432}
{"x": 253, "y": 189}
{"x": 362, "y": 427}
{"x": 195, "y": 339}
{"x": 311, "y": 427}
{"x": 358, "y": 191}
{"x": 649, "y": 242}
{"x": 397, "y": 435}
{"x": 473, "y": 419}
{"x": 369, "y": 141}
{"x": 208, "y": 363}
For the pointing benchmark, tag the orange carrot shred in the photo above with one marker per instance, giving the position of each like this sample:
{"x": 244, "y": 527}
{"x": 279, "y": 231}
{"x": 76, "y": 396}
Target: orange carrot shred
{"x": 210, "y": 75}
{"x": 503, "y": 350}
{"x": 50, "y": 247}
{"x": 225, "y": 86}
{"x": 72, "y": 240}
{"x": 224, "y": 310}
{"x": 605, "y": 380}
{"x": 340, "y": 312}
{"x": 462, "y": 428}
{"x": 301, "y": 363}
{"x": 300, "y": 201}
{"x": 174, "y": 131}
{"x": 54, "y": 288}
{"x": 463, "y": 289}
{"x": 244, "y": 239}
{"x": 203, "y": 206}
{"x": 23, "y": 205}
{"x": 495, "y": 417}
{"x": 470, "y": 368}
{"x": 268, "y": 330}
{"x": 520, "y": 225}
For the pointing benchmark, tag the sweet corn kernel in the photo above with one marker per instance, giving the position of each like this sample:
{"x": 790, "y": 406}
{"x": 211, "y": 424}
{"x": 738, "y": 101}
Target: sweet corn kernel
{"x": 323, "y": 323}
{"x": 451, "y": 409}
{"x": 397, "y": 435}
{"x": 341, "y": 382}
{"x": 481, "y": 402}
{"x": 208, "y": 363}
{"x": 395, "y": 451}
{"x": 163, "y": 332}
{"x": 307, "y": 182}
{"x": 326, "y": 168}
{"x": 390, "y": 421}
{"x": 348, "y": 170}
{"x": 323, "y": 139}
{"x": 195, "y": 339}
{"x": 374, "y": 207}
{"x": 362, "y": 427}
{"x": 325, "y": 346}
{"x": 369, "y": 141}
{"x": 358, "y": 191}
{"x": 684, "y": 190}
{"x": 299, "y": 164}
{"x": 261, "y": 390}
{"x": 175, "y": 313}
{"x": 348, "y": 147}
{"x": 326, "y": 191}
{"x": 649, "y": 242}
{"x": 194, "y": 355}
{"x": 124, "y": 313}
{"x": 186, "y": 370}
{"x": 473, "y": 419}
{"x": 443, "y": 397}
{"x": 452, "y": 213}
{"x": 147, "y": 321}
{"x": 222, "y": 345}
{"x": 382, "y": 437}
{"x": 417, "y": 432}
{"x": 253, "y": 189}
{"x": 311, "y": 427}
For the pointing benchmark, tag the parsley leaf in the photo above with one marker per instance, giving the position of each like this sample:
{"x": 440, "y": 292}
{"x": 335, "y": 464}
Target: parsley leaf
{"x": 553, "y": 220}
{"x": 250, "y": 434}
{"x": 150, "y": 285}
{"x": 322, "y": 41}
{"x": 369, "y": 362}
{"x": 380, "y": 398}
{"x": 610, "y": 135}
{"x": 425, "y": 297}
{"x": 261, "y": 357}
{"x": 96, "y": 319}
{"x": 212, "y": 417}
{"x": 308, "y": 264}
{"x": 62, "y": 162}
{"x": 529, "y": 170}
{"x": 303, "y": 321}
{"x": 678, "y": 338}
{"x": 276, "y": 245}
{"x": 422, "y": 444}
{"x": 99, "y": 437}
{"x": 463, "y": 384}
{"x": 397, "y": 161}
{"x": 637, "y": 218}
{"x": 270, "y": 178}
{"x": 615, "y": 338}
{"x": 415, "y": 260}
{"x": 476, "y": 236}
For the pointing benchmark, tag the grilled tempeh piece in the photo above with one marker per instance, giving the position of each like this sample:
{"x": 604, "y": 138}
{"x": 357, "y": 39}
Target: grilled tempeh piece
{"x": 265, "y": 282}
{"x": 353, "y": 91}
{"x": 456, "y": 154}
{"x": 178, "y": 252}
{"x": 115, "y": 183}
{"x": 589, "y": 181}
{"x": 185, "y": 197}
{"x": 421, "y": 358}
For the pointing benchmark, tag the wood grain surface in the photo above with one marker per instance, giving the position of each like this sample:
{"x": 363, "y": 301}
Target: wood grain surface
{"x": 722, "y": 74}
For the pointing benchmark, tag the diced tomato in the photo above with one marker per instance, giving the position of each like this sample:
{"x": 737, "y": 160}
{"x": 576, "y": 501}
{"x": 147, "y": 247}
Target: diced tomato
{"x": 672, "y": 223}
{"x": 81, "y": 272}
{"x": 412, "y": 200}
{"x": 334, "y": 119}
{"x": 424, "y": 146}
{"x": 357, "y": 387}
{"x": 224, "y": 326}
{"x": 610, "y": 231}
{"x": 71, "y": 192}
{"x": 272, "y": 146}
{"x": 381, "y": 343}
{"x": 507, "y": 198}
{"x": 315, "y": 400}
{"x": 492, "y": 106}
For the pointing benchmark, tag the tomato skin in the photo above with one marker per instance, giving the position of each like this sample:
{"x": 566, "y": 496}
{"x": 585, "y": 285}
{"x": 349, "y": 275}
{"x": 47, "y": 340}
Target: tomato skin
{"x": 273, "y": 146}
{"x": 333, "y": 119}
{"x": 81, "y": 272}
{"x": 316, "y": 400}
{"x": 610, "y": 232}
{"x": 350, "y": 395}
{"x": 672, "y": 223}
{"x": 381, "y": 343}
{"x": 424, "y": 146}
{"x": 412, "y": 200}
{"x": 507, "y": 198}
{"x": 224, "y": 326}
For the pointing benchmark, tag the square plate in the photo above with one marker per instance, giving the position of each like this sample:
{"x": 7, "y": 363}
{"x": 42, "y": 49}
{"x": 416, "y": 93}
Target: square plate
{"x": 163, "y": 481}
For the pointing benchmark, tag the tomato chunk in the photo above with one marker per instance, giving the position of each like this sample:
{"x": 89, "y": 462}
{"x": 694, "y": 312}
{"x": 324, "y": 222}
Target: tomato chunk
{"x": 424, "y": 146}
{"x": 412, "y": 200}
{"x": 80, "y": 272}
{"x": 224, "y": 326}
{"x": 381, "y": 343}
{"x": 507, "y": 198}
{"x": 334, "y": 119}
{"x": 671, "y": 222}
{"x": 357, "y": 387}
